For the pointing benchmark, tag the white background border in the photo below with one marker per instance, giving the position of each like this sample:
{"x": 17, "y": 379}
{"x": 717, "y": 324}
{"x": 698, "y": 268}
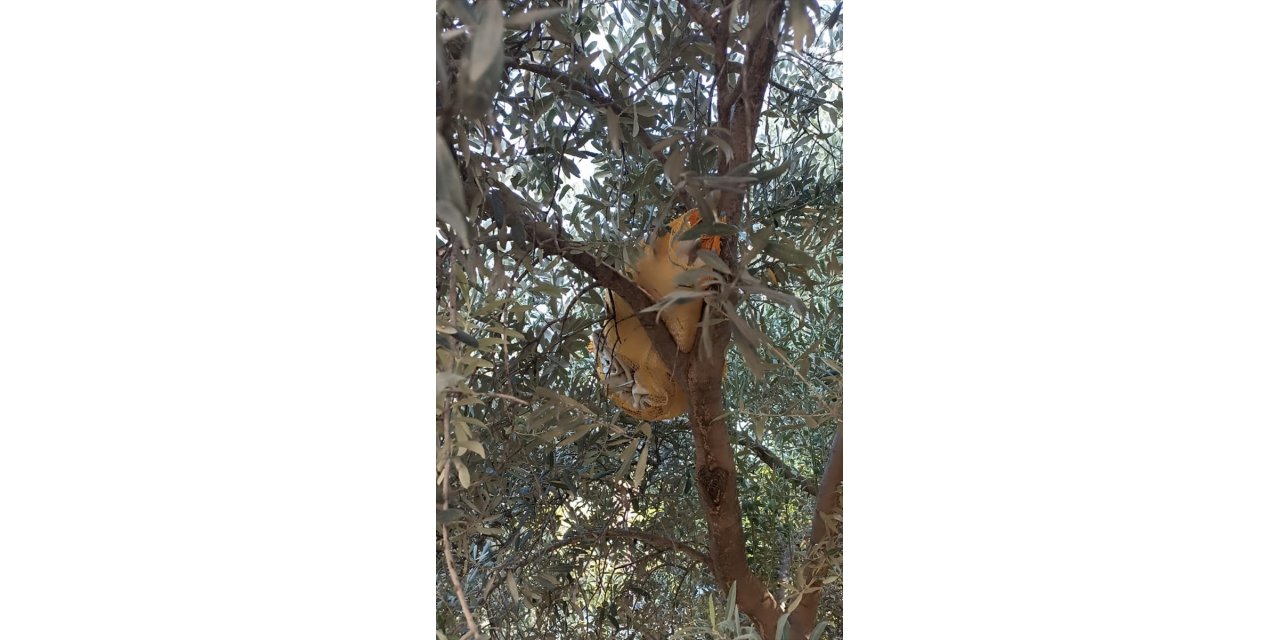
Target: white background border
{"x": 1063, "y": 261}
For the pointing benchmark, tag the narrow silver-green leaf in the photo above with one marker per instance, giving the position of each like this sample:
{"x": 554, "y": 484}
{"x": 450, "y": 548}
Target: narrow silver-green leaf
{"x": 486, "y": 42}
{"x": 449, "y": 214}
{"x": 732, "y": 600}
{"x": 713, "y": 260}
{"x": 638, "y": 475}
{"x": 445, "y": 516}
{"x": 753, "y": 362}
{"x": 625, "y": 459}
{"x": 674, "y": 166}
{"x": 448, "y": 178}
{"x": 817, "y": 631}
{"x": 482, "y": 63}
{"x": 801, "y": 24}
{"x": 790, "y": 254}
{"x": 512, "y": 587}
{"x": 615, "y": 130}
{"x": 782, "y": 626}
{"x": 749, "y": 333}
{"x": 699, "y": 277}
{"x": 464, "y": 474}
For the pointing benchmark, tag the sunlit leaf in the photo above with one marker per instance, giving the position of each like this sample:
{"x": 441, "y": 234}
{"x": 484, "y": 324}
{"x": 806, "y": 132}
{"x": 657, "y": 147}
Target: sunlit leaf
{"x": 638, "y": 475}
{"x": 625, "y": 459}
{"x": 802, "y": 31}
{"x": 527, "y": 18}
{"x": 482, "y": 62}
{"x": 486, "y": 43}
{"x": 615, "y": 130}
{"x": 464, "y": 474}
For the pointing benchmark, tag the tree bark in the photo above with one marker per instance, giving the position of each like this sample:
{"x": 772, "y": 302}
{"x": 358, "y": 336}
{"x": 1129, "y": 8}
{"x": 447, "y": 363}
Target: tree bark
{"x": 740, "y": 108}
{"x": 551, "y": 242}
{"x": 805, "y": 615}
{"x": 718, "y": 489}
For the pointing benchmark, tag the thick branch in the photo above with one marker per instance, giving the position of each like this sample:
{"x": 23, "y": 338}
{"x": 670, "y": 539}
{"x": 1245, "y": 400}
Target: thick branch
{"x": 806, "y": 613}
{"x": 553, "y": 243}
{"x": 709, "y": 24}
{"x": 747, "y": 100}
{"x": 770, "y": 458}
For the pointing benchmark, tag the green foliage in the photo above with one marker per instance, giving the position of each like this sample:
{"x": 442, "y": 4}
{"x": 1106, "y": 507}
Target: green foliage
{"x": 553, "y": 114}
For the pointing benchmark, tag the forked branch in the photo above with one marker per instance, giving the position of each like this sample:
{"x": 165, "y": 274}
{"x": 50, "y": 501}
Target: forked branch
{"x": 551, "y": 242}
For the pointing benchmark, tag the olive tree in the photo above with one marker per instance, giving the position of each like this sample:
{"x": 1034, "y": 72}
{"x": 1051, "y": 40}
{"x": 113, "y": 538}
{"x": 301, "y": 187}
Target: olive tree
{"x": 567, "y": 135}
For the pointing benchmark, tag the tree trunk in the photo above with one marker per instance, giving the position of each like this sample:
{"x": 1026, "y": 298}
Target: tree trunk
{"x": 718, "y": 488}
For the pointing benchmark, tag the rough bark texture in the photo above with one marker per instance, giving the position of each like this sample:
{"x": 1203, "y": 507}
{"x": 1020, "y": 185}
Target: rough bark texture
{"x": 740, "y": 105}
{"x": 805, "y": 615}
{"x": 718, "y": 488}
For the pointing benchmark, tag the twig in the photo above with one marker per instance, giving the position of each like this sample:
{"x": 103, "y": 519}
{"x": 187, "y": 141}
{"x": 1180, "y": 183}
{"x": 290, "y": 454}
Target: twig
{"x": 770, "y": 458}
{"x": 709, "y": 24}
{"x": 472, "y": 629}
{"x": 591, "y": 93}
{"x": 553, "y": 243}
{"x": 505, "y": 397}
{"x": 792, "y": 92}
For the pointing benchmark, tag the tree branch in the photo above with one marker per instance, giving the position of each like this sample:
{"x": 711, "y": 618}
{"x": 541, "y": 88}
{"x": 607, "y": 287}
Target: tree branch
{"x": 805, "y": 614}
{"x": 796, "y": 94}
{"x": 551, "y": 242}
{"x": 658, "y": 542}
{"x": 770, "y": 458}
{"x": 589, "y": 92}
{"x": 472, "y": 629}
{"x": 739, "y": 113}
{"x": 709, "y": 24}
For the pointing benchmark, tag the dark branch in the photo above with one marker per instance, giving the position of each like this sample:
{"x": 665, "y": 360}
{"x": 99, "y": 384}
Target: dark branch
{"x": 709, "y": 24}
{"x": 806, "y": 613}
{"x": 796, "y": 94}
{"x": 551, "y": 242}
{"x": 589, "y": 92}
{"x": 770, "y": 458}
